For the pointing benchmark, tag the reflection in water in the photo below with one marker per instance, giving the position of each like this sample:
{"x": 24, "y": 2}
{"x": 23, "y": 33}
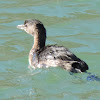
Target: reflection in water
{"x": 93, "y": 77}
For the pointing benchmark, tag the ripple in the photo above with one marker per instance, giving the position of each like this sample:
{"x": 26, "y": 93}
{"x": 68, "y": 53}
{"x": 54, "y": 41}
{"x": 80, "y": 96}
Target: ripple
{"x": 70, "y": 23}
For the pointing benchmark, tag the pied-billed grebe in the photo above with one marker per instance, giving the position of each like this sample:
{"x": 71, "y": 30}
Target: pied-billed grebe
{"x": 52, "y": 55}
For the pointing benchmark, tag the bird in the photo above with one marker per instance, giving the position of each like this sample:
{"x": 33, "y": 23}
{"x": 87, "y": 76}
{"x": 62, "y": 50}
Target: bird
{"x": 42, "y": 56}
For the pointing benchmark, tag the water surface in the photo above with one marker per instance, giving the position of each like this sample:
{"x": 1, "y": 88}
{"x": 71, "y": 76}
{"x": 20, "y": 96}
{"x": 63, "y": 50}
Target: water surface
{"x": 71, "y": 23}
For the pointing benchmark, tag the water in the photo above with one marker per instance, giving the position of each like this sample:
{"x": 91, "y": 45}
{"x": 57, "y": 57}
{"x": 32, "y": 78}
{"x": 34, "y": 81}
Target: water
{"x": 71, "y": 23}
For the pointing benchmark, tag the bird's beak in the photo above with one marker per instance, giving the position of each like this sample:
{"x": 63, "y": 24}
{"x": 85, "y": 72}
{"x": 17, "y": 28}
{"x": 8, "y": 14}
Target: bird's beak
{"x": 22, "y": 27}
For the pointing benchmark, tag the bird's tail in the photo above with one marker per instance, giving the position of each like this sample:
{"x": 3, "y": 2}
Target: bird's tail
{"x": 75, "y": 66}
{"x": 80, "y": 65}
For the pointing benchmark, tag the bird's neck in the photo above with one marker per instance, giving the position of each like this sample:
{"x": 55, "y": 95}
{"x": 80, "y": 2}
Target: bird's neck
{"x": 39, "y": 40}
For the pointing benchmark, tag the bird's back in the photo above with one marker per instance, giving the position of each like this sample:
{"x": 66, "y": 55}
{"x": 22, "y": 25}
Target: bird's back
{"x": 54, "y": 55}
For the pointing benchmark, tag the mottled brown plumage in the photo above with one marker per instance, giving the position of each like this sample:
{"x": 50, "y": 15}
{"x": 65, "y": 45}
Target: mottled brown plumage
{"x": 53, "y": 55}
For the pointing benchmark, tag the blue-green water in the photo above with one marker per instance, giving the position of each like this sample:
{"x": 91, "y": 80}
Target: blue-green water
{"x": 74, "y": 24}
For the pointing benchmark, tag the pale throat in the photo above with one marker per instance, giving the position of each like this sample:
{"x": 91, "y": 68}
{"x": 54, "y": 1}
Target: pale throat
{"x": 39, "y": 42}
{"x": 36, "y": 43}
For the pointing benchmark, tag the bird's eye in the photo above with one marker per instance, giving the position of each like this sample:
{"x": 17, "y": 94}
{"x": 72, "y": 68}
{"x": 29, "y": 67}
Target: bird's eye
{"x": 25, "y": 25}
